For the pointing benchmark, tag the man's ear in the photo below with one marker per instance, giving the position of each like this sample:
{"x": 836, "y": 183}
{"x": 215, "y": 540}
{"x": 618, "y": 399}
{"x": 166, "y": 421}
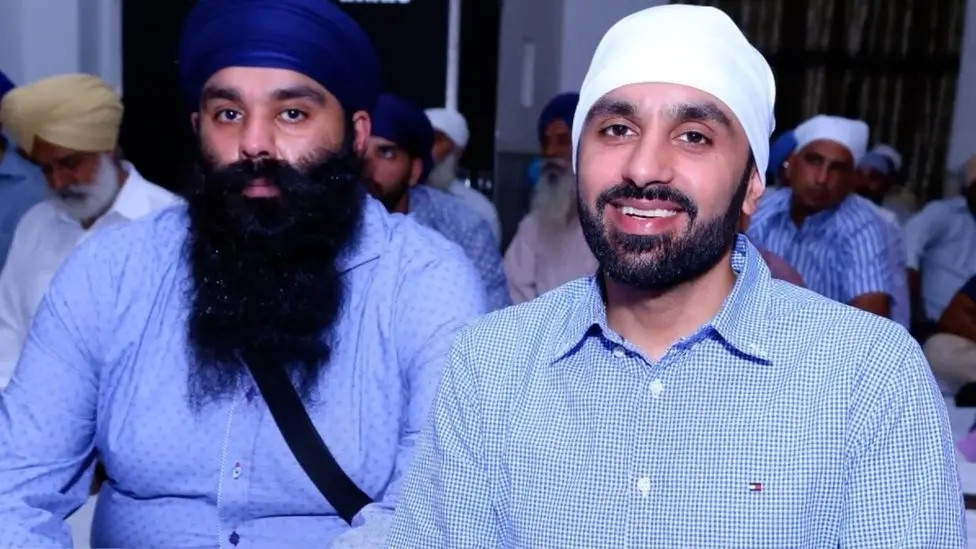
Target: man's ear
{"x": 754, "y": 192}
{"x": 416, "y": 170}
{"x": 362, "y": 125}
{"x": 195, "y": 122}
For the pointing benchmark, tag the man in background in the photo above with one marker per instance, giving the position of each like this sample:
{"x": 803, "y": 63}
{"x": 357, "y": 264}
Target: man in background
{"x": 21, "y": 183}
{"x": 548, "y": 249}
{"x": 450, "y": 140}
{"x": 839, "y": 245}
{"x": 952, "y": 350}
{"x": 879, "y": 170}
{"x": 398, "y": 159}
{"x": 68, "y": 125}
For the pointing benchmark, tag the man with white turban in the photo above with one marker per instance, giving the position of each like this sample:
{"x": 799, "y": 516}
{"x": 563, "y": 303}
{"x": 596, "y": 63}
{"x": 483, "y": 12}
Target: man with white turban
{"x": 450, "y": 139}
{"x": 878, "y": 182}
{"x": 68, "y": 125}
{"x": 682, "y": 397}
{"x": 837, "y": 240}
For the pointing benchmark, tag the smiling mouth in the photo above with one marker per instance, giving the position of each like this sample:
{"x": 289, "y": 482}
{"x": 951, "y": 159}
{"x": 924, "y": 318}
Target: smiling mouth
{"x": 651, "y": 213}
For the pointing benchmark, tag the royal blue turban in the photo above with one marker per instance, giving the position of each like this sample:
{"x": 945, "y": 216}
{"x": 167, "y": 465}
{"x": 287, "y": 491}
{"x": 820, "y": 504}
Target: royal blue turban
{"x": 405, "y": 124}
{"x": 779, "y": 150}
{"x": 5, "y": 84}
{"x": 562, "y": 107}
{"x": 312, "y": 37}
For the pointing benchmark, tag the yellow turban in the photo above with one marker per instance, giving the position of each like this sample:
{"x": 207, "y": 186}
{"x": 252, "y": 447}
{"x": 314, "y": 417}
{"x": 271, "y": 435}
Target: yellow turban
{"x": 75, "y": 111}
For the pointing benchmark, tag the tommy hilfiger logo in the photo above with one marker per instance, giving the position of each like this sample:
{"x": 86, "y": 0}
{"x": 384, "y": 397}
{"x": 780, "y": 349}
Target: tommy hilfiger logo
{"x": 755, "y": 487}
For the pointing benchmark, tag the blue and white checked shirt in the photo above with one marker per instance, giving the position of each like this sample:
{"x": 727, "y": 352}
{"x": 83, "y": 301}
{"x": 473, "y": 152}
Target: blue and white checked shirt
{"x": 104, "y": 372}
{"x": 454, "y": 219}
{"x": 840, "y": 253}
{"x": 789, "y": 420}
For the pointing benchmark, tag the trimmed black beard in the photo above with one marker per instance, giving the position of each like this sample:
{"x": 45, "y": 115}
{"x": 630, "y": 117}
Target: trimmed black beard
{"x": 266, "y": 288}
{"x": 678, "y": 260}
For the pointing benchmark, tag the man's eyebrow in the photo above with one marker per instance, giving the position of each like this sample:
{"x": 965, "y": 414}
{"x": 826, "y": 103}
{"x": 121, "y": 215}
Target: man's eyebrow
{"x": 299, "y": 92}
{"x": 610, "y": 108}
{"x": 211, "y": 93}
{"x": 699, "y": 112}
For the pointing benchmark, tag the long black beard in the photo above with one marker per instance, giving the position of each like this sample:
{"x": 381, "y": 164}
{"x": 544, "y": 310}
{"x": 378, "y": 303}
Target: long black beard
{"x": 625, "y": 258}
{"x": 266, "y": 288}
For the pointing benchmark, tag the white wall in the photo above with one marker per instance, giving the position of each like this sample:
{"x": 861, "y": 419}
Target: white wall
{"x": 962, "y": 139}
{"x": 40, "y": 38}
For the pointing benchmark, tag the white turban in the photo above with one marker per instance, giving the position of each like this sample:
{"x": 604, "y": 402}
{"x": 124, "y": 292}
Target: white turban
{"x": 695, "y": 46}
{"x": 852, "y": 134}
{"x": 451, "y": 123}
{"x": 890, "y": 153}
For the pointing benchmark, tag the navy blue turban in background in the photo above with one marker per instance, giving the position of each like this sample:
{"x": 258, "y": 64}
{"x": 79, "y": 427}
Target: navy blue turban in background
{"x": 5, "y": 84}
{"x": 312, "y": 37}
{"x": 405, "y": 124}
{"x": 562, "y": 107}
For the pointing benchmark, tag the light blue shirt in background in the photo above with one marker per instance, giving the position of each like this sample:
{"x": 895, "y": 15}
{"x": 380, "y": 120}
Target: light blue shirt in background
{"x": 21, "y": 186}
{"x": 454, "y": 219}
{"x": 104, "y": 372}
{"x": 788, "y": 420}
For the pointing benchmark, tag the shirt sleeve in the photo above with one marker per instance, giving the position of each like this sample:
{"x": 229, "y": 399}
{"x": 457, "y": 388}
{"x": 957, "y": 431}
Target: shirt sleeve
{"x": 47, "y": 413}
{"x": 902, "y": 488}
{"x": 436, "y": 301}
{"x": 920, "y": 230}
{"x": 866, "y": 262}
{"x": 520, "y": 264}
{"x": 446, "y": 502}
{"x": 14, "y": 280}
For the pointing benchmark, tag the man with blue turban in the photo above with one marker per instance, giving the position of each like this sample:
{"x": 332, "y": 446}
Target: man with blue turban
{"x": 398, "y": 157}
{"x": 21, "y": 183}
{"x": 280, "y": 327}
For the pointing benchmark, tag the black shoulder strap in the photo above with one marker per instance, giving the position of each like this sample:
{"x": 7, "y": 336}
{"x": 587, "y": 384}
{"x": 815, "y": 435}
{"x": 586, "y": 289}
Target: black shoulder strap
{"x": 305, "y": 443}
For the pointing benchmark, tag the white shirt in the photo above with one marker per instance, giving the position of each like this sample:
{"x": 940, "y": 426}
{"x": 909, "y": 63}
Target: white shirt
{"x": 480, "y": 204}
{"x": 44, "y": 238}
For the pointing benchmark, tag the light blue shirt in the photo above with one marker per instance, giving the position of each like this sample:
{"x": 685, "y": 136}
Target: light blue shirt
{"x": 104, "y": 371}
{"x": 454, "y": 219}
{"x": 788, "y": 420}
{"x": 840, "y": 253}
{"x": 940, "y": 242}
{"x": 21, "y": 186}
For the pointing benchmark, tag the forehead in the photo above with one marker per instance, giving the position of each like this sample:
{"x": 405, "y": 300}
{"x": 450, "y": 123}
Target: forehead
{"x": 376, "y": 141}
{"x": 261, "y": 84}
{"x": 556, "y": 126}
{"x": 830, "y": 150}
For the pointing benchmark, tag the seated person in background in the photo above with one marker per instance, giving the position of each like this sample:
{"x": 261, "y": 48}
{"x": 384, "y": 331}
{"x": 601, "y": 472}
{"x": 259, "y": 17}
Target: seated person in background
{"x": 142, "y": 350}
{"x": 952, "y": 351}
{"x": 837, "y": 244}
{"x": 880, "y": 185}
{"x": 69, "y": 126}
{"x": 940, "y": 245}
{"x": 398, "y": 158}
{"x": 21, "y": 183}
{"x": 450, "y": 139}
{"x": 780, "y": 150}
{"x": 549, "y": 249}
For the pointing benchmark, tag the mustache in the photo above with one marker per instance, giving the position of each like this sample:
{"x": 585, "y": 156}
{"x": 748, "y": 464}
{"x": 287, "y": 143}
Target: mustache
{"x": 658, "y": 191}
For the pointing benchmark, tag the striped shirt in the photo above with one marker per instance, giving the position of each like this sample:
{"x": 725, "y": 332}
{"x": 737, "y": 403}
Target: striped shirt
{"x": 841, "y": 253}
{"x": 788, "y": 420}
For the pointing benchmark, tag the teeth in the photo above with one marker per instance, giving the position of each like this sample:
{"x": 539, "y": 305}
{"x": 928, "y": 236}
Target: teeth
{"x": 634, "y": 212}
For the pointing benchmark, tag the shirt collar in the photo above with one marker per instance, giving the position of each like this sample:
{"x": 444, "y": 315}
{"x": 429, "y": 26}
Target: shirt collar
{"x": 741, "y": 322}
{"x": 133, "y": 200}
{"x": 371, "y": 237}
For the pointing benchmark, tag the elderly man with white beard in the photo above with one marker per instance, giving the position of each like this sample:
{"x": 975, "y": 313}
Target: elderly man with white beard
{"x": 68, "y": 125}
{"x": 549, "y": 249}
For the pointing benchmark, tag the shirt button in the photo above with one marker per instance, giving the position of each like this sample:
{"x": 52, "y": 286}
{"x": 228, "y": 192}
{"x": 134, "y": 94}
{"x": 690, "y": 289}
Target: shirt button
{"x": 619, "y": 352}
{"x": 234, "y": 539}
{"x": 236, "y": 471}
{"x": 644, "y": 486}
{"x": 657, "y": 387}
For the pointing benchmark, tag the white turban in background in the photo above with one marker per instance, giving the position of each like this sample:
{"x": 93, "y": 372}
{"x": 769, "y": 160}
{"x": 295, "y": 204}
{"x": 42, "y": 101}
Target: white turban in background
{"x": 695, "y": 46}
{"x": 451, "y": 123}
{"x": 852, "y": 134}
{"x": 890, "y": 153}
{"x": 75, "y": 111}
